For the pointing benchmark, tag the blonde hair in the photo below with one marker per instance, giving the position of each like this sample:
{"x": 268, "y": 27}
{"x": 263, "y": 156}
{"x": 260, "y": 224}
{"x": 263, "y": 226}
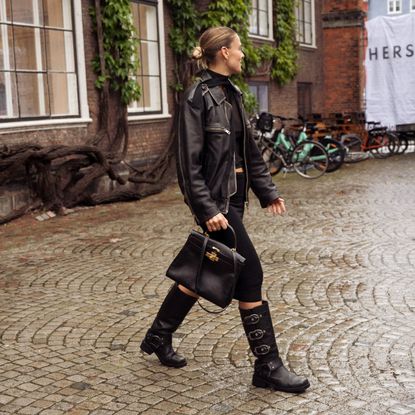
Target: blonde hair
{"x": 210, "y": 43}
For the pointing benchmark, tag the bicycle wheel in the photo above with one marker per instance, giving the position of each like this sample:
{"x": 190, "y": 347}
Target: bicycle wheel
{"x": 310, "y": 159}
{"x": 273, "y": 162}
{"x": 336, "y": 152}
{"x": 351, "y": 142}
{"x": 403, "y": 142}
{"x": 353, "y": 147}
{"x": 382, "y": 144}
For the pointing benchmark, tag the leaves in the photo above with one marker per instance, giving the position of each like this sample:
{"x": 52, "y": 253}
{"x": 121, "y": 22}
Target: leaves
{"x": 284, "y": 59}
{"x": 189, "y": 23}
{"x": 120, "y": 50}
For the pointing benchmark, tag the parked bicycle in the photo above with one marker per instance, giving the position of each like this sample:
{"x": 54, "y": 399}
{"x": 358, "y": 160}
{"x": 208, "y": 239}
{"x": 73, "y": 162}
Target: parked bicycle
{"x": 335, "y": 150}
{"x": 370, "y": 139}
{"x": 307, "y": 158}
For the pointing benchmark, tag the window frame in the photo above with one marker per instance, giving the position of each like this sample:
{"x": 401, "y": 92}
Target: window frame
{"x": 270, "y": 36}
{"x": 394, "y": 3}
{"x": 258, "y": 84}
{"x": 83, "y": 116}
{"x": 134, "y": 115}
{"x": 313, "y": 43}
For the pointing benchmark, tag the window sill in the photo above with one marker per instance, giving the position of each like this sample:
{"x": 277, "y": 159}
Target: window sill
{"x": 304, "y": 46}
{"x": 33, "y": 125}
{"x": 263, "y": 38}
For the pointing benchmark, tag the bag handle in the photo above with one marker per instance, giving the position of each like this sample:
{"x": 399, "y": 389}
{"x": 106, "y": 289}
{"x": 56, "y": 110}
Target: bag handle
{"x": 233, "y": 234}
{"x": 201, "y": 263}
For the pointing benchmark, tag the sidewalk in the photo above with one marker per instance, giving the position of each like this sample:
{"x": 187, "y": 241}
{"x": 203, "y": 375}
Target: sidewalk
{"x": 77, "y": 294}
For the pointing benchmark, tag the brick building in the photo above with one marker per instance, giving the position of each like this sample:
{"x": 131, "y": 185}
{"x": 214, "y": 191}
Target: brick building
{"x": 343, "y": 55}
{"x": 47, "y": 92}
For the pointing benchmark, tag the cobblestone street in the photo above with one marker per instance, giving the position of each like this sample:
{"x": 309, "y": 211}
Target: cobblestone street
{"x": 77, "y": 294}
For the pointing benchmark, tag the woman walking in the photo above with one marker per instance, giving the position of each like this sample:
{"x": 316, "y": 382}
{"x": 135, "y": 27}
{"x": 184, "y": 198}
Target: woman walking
{"x": 217, "y": 162}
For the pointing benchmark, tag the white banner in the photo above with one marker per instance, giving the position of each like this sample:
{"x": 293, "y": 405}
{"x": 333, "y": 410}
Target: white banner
{"x": 390, "y": 70}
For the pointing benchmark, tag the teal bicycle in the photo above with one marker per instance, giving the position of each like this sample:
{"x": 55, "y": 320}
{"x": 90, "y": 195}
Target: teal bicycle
{"x": 307, "y": 158}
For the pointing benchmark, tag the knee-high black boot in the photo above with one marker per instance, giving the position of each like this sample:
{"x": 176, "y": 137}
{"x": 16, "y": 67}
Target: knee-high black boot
{"x": 158, "y": 339}
{"x": 269, "y": 369}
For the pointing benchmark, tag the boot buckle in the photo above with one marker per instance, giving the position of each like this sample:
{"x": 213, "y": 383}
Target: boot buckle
{"x": 256, "y": 334}
{"x": 252, "y": 319}
{"x": 273, "y": 365}
{"x": 156, "y": 340}
{"x": 262, "y": 350}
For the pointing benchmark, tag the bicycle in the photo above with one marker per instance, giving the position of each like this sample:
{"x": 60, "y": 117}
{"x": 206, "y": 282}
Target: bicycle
{"x": 369, "y": 138}
{"x": 336, "y": 151}
{"x": 306, "y": 157}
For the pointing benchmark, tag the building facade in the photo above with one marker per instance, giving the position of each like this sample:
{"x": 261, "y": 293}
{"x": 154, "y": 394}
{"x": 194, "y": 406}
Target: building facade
{"x": 47, "y": 82}
{"x": 390, "y": 8}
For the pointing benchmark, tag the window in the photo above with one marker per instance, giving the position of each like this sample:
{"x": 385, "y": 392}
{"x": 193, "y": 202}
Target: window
{"x": 260, "y": 91}
{"x": 305, "y": 22}
{"x": 260, "y": 20}
{"x": 394, "y": 6}
{"x": 38, "y": 77}
{"x": 148, "y": 22}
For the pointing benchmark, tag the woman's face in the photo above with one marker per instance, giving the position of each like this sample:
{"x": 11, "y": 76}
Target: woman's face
{"x": 233, "y": 56}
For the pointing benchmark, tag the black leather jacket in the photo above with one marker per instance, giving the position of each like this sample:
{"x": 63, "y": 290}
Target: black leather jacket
{"x": 205, "y": 159}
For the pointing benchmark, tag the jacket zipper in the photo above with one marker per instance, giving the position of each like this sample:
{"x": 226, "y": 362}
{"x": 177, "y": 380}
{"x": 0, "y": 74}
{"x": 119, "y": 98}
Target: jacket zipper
{"x": 228, "y": 198}
{"x": 245, "y": 164}
{"x": 217, "y": 130}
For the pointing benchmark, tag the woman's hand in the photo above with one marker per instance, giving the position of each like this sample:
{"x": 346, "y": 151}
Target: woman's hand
{"x": 277, "y": 207}
{"x": 217, "y": 223}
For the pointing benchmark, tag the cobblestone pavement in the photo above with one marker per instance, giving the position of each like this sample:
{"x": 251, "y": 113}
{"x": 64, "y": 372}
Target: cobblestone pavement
{"x": 78, "y": 292}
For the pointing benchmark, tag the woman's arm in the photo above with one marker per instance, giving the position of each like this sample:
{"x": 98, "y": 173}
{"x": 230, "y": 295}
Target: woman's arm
{"x": 260, "y": 178}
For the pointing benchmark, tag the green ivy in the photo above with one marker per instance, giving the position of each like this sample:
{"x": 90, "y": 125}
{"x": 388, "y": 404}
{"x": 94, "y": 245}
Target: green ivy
{"x": 284, "y": 60}
{"x": 188, "y": 23}
{"x": 183, "y": 36}
{"x": 120, "y": 45}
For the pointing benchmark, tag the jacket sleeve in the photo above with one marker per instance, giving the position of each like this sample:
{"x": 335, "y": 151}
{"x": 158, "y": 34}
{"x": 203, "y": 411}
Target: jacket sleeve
{"x": 260, "y": 178}
{"x": 190, "y": 147}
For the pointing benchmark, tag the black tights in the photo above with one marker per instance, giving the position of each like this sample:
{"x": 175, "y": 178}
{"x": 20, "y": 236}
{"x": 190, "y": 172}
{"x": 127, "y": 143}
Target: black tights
{"x": 248, "y": 288}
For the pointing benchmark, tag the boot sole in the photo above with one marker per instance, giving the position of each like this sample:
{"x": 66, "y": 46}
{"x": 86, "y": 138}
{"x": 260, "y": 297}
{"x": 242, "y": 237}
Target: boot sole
{"x": 263, "y": 383}
{"x": 149, "y": 350}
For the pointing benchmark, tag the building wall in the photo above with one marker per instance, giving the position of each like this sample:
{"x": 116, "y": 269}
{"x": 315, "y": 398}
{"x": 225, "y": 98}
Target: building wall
{"x": 380, "y": 8}
{"x": 283, "y": 100}
{"x": 147, "y": 138}
{"x": 311, "y": 69}
{"x": 343, "y": 52}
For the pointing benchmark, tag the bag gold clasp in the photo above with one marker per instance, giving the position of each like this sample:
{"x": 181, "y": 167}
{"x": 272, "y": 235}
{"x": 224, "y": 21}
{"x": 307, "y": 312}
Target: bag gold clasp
{"x": 213, "y": 256}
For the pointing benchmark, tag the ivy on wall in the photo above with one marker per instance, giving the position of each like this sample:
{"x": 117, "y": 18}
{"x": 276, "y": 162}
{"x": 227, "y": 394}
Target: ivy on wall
{"x": 281, "y": 56}
{"x": 119, "y": 58}
{"x": 284, "y": 59}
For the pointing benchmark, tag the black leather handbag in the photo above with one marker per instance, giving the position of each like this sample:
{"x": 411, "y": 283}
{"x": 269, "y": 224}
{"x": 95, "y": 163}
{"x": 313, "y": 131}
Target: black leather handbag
{"x": 208, "y": 268}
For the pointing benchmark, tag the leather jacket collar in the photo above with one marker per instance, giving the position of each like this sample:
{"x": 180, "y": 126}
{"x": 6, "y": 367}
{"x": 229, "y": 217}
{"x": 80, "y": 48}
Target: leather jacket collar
{"x": 217, "y": 93}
